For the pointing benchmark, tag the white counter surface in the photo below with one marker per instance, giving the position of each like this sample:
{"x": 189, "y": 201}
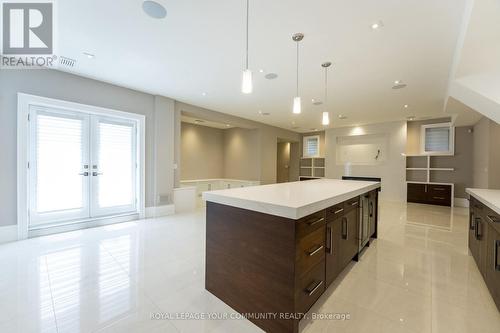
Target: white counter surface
{"x": 491, "y": 198}
{"x": 291, "y": 200}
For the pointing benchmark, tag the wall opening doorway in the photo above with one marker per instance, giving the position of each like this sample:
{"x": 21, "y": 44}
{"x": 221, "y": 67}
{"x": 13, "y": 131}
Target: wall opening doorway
{"x": 78, "y": 166}
{"x": 287, "y": 161}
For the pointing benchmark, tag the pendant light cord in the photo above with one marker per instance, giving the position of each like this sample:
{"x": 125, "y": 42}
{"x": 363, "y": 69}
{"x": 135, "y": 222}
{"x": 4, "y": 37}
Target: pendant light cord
{"x": 297, "y": 69}
{"x": 248, "y": 10}
{"x": 326, "y": 88}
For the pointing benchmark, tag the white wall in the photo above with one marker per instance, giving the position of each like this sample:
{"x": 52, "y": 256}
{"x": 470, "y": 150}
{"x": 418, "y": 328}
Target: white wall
{"x": 481, "y": 158}
{"x": 392, "y": 170}
{"x": 160, "y": 127}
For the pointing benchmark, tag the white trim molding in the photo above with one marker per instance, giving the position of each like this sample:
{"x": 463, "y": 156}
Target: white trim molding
{"x": 158, "y": 211}
{"x": 461, "y": 202}
{"x": 24, "y": 101}
{"x": 8, "y": 233}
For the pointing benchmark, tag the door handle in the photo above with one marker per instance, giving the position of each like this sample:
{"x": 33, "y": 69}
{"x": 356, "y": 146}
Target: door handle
{"x": 85, "y": 174}
{"x": 478, "y": 225}
{"x": 345, "y": 233}
{"x": 496, "y": 265}
{"x": 313, "y": 252}
{"x": 311, "y": 290}
{"x": 371, "y": 209}
{"x": 311, "y": 223}
{"x": 95, "y": 173}
{"x": 329, "y": 249}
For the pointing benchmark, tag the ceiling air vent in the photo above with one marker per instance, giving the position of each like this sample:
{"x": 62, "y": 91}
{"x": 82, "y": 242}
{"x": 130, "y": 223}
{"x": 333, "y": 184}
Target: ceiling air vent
{"x": 67, "y": 62}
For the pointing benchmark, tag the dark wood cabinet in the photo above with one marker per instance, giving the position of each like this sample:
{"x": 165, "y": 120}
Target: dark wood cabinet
{"x": 431, "y": 194}
{"x": 261, "y": 263}
{"x": 333, "y": 237}
{"x": 493, "y": 264}
{"x": 373, "y": 213}
{"x": 484, "y": 245}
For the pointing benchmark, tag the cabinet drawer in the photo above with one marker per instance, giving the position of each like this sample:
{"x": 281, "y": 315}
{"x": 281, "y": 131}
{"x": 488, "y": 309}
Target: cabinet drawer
{"x": 350, "y": 204}
{"x": 310, "y": 223}
{"x": 310, "y": 250}
{"x": 440, "y": 190}
{"x": 492, "y": 218}
{"x": 334, "y": 212}
{"x": 439, "y": 199}
{"x": 309, "y": 288}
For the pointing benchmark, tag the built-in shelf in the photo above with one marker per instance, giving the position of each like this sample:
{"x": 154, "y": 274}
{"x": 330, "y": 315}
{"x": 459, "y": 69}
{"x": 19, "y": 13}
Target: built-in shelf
{"x": 416, "y": 165}
{"x": 312, "y": 167}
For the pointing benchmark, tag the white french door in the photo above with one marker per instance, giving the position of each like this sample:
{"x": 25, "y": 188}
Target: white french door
{"x": 82, "y": 166}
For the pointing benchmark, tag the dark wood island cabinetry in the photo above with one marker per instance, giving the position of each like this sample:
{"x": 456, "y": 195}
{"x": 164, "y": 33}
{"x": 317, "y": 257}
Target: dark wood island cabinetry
{"x": 271, "y": 268}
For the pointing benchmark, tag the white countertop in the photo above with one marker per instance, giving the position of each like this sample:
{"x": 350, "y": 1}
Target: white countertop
{"x": 490, "y": 198}
{"x": 291, "y": 200}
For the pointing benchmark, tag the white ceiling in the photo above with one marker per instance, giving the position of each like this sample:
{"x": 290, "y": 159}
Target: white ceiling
{"x": 199, "y": 48}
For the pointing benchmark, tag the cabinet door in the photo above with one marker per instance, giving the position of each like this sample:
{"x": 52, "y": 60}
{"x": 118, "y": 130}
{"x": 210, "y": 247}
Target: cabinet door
{"x": 417, "y": 193}
{"x": 482, "y": 237}
{"x": 473, "y": 243}
{"x": 493, "y": 264}
{"x": 333, "y": 240}
{"x": 349, "y": 237}
{"x": 373, "y": 212}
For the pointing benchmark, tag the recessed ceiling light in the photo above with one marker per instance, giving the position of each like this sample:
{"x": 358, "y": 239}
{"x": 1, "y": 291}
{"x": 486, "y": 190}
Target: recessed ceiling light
{"x": 398, "y": 84}
{"x": 377, "y": 25}
{"x": 261, "y": 70}
{"x": 203, "y": 94}
{"x": 341, "y": 116}
{"x": 89, "y": 55}
{"x": 411, "y": 118}
{"x": 154, "y": 9}
{"x": 271, "y": 76}
{"x": 227, "y": 125}
{"x": 406, "y": 106}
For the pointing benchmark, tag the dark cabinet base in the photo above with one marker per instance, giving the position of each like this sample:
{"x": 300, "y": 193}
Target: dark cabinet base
{"x": 431, "y": 194}
{"x": 264, "y": 264}
{"x": 484, "y": 245}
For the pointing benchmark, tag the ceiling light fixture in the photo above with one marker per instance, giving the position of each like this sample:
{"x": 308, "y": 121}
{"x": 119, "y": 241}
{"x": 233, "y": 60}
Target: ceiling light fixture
{"x": 377, "y": 25}
{"x": 297, "y": 107}
{"x": 341, "y": 116}
{"x": 406, "y": 106}
{"x": 203, "y": 94}
{"x": 398, "y": 84}
{"x": 261, "y": 71}
{"x": 246, "y": 83}
{"x": 89, "y": 55}
{"x": 154, "y": 9}
{"x": 271, "y": 76}
{"x": 325, "y": 121}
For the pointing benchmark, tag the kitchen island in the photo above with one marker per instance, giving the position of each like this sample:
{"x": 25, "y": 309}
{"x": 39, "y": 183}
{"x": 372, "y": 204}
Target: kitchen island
{"x": 272, "y": 250}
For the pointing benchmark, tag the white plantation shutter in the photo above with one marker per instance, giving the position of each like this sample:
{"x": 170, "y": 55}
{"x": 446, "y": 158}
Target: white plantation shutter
{"x": 437, "y": 139}
{"x": 59, "y": 157}
{"x": 311, "y": 146}
{"x": 116, "y": 162}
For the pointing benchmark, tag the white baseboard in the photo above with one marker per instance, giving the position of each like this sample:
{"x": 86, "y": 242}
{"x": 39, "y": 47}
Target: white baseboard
{"x": 461, "y": 202}
{"x": 160, "y": 211}
{"x": 8, "y": 233}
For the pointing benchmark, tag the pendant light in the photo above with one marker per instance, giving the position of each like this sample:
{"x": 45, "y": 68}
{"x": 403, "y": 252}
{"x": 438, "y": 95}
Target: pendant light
{"x": 326, "y": 115}
{"x": 297, "y": 103}
{"x": 246, "y": 83}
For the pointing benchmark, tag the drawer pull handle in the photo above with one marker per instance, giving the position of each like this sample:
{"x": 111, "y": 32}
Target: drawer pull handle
{"x": 311, "y": 223}
{"x": 496, "y": 265}
{"x": 439, "y": 189}
{"x": 493, "y": 219}
{"x": 472, "y": 222}
{"x": 311, "y": 290}
{"x": 439, "y": 198}
{"x": 338, "y": 211}
{"x": 331, "y": 241}
{"x": 345, "y": 233}
{"x": 478, "y": 227}
{"x": 319, "y": 248}
{"x": 354, "y": 203}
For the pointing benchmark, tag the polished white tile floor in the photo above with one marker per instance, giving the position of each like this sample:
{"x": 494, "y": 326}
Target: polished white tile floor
{"x": 417, "y": 277}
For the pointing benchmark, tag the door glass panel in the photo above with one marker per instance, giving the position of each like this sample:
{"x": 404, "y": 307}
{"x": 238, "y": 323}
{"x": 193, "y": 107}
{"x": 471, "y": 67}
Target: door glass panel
{"x": 59, "y": 187}
{"x": 114, "y": 172}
